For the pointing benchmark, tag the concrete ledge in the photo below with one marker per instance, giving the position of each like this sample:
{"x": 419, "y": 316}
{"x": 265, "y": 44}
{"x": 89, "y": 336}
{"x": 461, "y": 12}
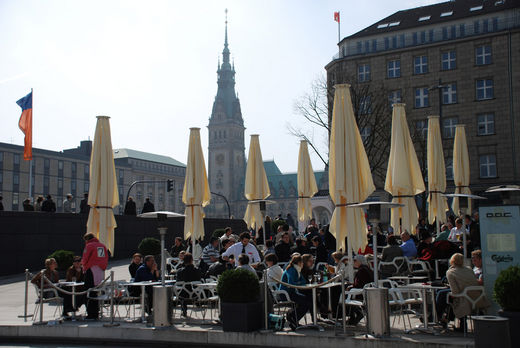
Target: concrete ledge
{"x": 139, "y": 335}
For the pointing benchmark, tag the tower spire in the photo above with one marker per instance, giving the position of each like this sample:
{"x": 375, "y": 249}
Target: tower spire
{"x": 225, "y": 52}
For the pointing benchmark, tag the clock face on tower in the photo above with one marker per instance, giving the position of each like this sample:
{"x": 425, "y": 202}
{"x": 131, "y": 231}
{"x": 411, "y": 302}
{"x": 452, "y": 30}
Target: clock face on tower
{"x": 220, "y": 159}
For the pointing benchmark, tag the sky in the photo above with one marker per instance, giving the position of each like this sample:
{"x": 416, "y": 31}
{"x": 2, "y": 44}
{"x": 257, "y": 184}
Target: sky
{"x": 151, "y": 66}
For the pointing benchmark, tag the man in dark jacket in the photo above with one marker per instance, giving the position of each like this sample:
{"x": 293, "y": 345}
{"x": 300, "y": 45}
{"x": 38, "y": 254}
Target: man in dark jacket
{"x": 84, "y": 208}
{"x": 27, "y": 206}
{"x": 283, "y": 248}
{"x": 130, "y": 208}
{"x": 219, "y": 267}
{"x": 148, "y": 207}
{"x": 187, "y": 274}
{"x": 148, "y": 271}
{"x": 319, "y": 251}
{"x": 177, "y": 247}
{"x": 48, "y": 205}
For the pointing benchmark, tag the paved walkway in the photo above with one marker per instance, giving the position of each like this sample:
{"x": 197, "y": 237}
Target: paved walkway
{"x": 193, "y": 330}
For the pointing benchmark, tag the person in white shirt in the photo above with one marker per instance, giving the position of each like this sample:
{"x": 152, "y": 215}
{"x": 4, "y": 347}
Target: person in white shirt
{"x": 274, "y": 271}
{"x": 243, "y": 247}
{"x": 243, "y": 263}
{"x": 456, "y": 232}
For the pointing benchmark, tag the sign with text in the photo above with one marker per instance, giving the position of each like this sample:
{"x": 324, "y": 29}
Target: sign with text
{"x": 500, "y": 241}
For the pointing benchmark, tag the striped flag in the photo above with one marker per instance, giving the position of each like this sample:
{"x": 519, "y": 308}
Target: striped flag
{"x": 25, "y": 124}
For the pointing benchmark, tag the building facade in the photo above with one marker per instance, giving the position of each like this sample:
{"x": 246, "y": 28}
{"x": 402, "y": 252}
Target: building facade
{"x": 59, "y": 173}
{"x": 459, "y": 60}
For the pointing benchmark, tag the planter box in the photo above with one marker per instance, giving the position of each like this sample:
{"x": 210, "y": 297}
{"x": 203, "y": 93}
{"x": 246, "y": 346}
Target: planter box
{"x": 514, "y": 325}
{"x": 242, "y": 317}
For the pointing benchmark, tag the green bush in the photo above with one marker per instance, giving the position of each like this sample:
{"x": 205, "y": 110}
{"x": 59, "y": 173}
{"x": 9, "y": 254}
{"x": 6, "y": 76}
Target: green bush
{"x": 219, "y": 232}
{"x": 238, "y": 286}
{"x": 64, "y": 258}
{"x": 150, "y": 246}
{"x": 506, "y": 289}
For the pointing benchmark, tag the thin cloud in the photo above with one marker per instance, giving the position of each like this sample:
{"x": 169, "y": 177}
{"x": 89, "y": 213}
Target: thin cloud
{"x": 12, "y": 78}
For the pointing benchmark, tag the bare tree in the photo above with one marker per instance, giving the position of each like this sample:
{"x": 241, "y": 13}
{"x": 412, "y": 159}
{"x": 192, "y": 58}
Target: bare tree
{"x": 373, "y": 116}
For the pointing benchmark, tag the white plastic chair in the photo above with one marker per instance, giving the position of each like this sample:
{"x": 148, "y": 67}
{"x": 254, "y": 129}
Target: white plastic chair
{"x": 397, "y": 263}
{"x": 464, "y": 295}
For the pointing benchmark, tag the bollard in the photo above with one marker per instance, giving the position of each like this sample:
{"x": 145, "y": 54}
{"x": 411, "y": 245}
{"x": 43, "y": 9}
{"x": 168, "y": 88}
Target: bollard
{"x": 112, "y": 291}
{"x": 266, "y": 288}
{"x": 343, "y": 305}
{"x": 25, "y": 315}
{"x": 41, "y": 296}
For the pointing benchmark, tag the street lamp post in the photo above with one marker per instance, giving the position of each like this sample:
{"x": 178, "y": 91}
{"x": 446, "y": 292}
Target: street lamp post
{"x": 439, "y": 87}
{"x": 227, "y": 203}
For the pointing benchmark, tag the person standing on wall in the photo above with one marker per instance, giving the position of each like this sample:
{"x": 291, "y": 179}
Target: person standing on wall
{"x": 95, "y": 261}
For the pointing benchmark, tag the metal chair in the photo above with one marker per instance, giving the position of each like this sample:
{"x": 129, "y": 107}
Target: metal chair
{"x": 51, "y": 297}
{"x": 281, "y": 301}
{"x": 205, "y": 298}
{"x": 352, "y": 299}
{"x": 397, "y": 264}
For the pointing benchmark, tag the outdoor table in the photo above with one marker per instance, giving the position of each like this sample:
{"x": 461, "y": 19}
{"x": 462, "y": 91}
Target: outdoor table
{"x": 408, "y": 279}
{"x": 314, "y": 324}
{"x": 143, "y": 285}
{"x": 423, "y": 287}
{"x": 73, "y": 285}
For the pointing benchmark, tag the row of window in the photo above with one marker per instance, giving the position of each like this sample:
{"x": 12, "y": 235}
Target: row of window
{"x": 485, "y": 125}
{"x": 483, "y": 56}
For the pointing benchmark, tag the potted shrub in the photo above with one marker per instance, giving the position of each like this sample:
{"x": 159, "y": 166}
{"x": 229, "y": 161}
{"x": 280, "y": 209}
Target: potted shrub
{"x": 150, "y": 246}
{"x": 506, "y": 294}
{"x": 64, "y": 259}
{"x": 219, "y": 232}
{"x": 241, "y": 309}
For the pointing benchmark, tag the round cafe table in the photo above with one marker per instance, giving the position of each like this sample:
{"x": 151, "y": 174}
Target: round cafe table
{"x": 72, "y": 285}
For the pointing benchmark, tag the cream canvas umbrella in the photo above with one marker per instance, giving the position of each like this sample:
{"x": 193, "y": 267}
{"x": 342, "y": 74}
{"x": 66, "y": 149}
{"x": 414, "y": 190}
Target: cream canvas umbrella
{"x": 460, "y": 167}
{"x": 306, "y": 183}
{"x": 196, "y": 193}
{"x": 350, "y": 179}
{"x": 437, "y": 204}
{"x": 102, "y": 194}
{"x": 256, "y": 186}
{"x": 403, "y": 175}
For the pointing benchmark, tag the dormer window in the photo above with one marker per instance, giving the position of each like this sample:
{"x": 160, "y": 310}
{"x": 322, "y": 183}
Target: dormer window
{"x": 446, "y": 14}
{"x": 394, "y": 24}
{"x": 424, "y": 18}
{"x": 476, "y": 8}
{"x": 381, "y": 26}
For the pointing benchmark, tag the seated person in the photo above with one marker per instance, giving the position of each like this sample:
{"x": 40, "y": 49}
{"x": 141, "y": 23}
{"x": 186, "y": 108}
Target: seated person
{"x": 408, "y": 245}
{"x": 187, "y": 274}
{"x": 274, "y": 271}
{"x": 148, "y": 271}
{"x": 225, "y": 244}
{"x": 340, "y": 263}
{"x": 425, "y": 247}
{"x": 476, "y": 258}
{"x": 457, "y": 232}
{"x": 210, "y": 253}
{"x": 219, "y": 267}
{"x": 74, "y": 274}
{"x": 319, "y": 250}
{"x": 283, "y": 248}
{"x": 459, "y": 277}
{"x": 301, "y": 246}
{"x": 308, "y": 267}
{"x": 390, "y": 251}
{"x": 177, "y": 247}
{"x": 135, "y": 264}
{"x": 269, "y": 248}
{"x": 292, "y": 275}
{"x": 243, "y": 263}
{"x": 363, "y": 276}
{"x": 444, "y": 234}
{"x": 50, "y": 273}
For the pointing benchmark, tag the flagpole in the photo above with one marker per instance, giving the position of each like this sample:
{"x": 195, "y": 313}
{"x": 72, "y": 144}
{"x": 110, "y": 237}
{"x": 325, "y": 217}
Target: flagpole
{"x": 339, "y": 21}
{"x": 31, "y": 161}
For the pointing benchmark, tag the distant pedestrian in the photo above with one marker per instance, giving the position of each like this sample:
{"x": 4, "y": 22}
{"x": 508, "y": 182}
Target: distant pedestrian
{"x": 38, "y": 203}
{"x": 130, "y": 208}
{"x": 290, "y": 220}
{"x": 148, "y": 207}
{"x": 27, "y": 206}
{"x": 48, "y": 205}
{"x": 84, "y": 208}
{"x": 67, "y": 204}
{"x": 1, "y": 204}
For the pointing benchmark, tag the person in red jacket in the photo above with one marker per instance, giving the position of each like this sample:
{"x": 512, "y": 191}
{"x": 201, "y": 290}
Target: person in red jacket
{"x": 95, "y": 261}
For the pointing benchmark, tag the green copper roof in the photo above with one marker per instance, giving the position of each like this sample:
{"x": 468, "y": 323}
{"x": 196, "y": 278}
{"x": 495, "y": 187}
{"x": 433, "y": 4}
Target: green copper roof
{"x": 146, "y": 156}
{"x": 284, "y": 184}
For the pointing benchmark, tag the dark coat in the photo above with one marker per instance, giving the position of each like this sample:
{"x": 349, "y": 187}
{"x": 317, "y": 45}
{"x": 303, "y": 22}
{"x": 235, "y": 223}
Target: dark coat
{"x": 148, "y": 207}
{"x": 189, "y": 274}
{"x": 130, "y": 208}
{"x": 84, "y": 208}
{"x": 320, "y": 253}
{"x": 132, "y": 269}
{"x": 283, "y": 252}
{"x": 49, "y": 206}
{"x": 363, "y": 276}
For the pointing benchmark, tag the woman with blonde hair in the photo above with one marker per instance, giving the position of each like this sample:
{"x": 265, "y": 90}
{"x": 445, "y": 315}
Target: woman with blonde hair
{"x": 50, "y": 273}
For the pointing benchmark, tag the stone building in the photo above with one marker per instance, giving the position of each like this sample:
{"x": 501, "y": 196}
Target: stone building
{"x": 457, "y": 59}
{"x": 58, "y": 173}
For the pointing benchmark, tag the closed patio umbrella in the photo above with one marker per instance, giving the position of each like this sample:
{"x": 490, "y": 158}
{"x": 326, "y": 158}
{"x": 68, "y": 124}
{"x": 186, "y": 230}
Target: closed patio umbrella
{"x": 460, "y": 167}
{"x": 437, "y": 204}
{"x": 403, "y": 175}
{"x": 102, "y": 194}
{"x": 196, "y": 193}
{"x": 306, "y": 183}
{"x": 256, "y": 186}
{"x": 350, "y": 179}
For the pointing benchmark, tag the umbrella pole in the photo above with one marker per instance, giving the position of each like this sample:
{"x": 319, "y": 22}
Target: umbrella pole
{"x": 350, "y": 261}
{"x": 374, "y": 245}
{"x": 162, "y": 233}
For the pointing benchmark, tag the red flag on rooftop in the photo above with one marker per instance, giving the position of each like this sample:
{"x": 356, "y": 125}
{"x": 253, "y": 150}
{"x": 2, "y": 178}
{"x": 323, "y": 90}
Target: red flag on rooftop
{"x": 25, "y": 124}
{"x": 336, "y": 16}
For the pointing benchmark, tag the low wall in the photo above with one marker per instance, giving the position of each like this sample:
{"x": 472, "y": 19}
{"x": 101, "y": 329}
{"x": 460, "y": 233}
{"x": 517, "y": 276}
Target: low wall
{"x": 27, "y": 238}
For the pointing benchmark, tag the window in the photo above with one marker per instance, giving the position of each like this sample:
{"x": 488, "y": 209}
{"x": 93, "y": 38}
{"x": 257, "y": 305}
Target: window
{"x": 449, "y": 94}
{"x": 449, "y": 125}
{"x": 364, "y": 73}
{"x": 446, "y": 14}
{"x": 486, "y": 124}
{"x": 365, "y": 133}
{"x": 421, "y": 97}
{"x": 476, "y": 8}
{"x": 73, "y": 187}
{"x": 488, "y": 166}
{"x": 485, "y": 89}
{"x": 483, "y": 55}
{"x": 1, "y": 159}
{"x": 449, "y": 60}
{"x": 449, "y": 168}
{"x": 86, "y": 172}
{"x": 86, "y": 186}
{"x": 16, "y": 179}
{"x": 16, "y": 159}
{"x": 394, "y": 69}
{"x": 45, "y": 184}
{"x": 60, "y": 165}
{"x": 424, "y": 18}
{"x": 16, "y": 200}
{"x": 394, "y": 97}
{"x": 420, "y": 65}
{"x": 73, "y": 170}
{"x": 60, "y": 184}
{"x": 462, "y": 29}
{"x": 1, "y": 179}
{"x": 365, "y": 105}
